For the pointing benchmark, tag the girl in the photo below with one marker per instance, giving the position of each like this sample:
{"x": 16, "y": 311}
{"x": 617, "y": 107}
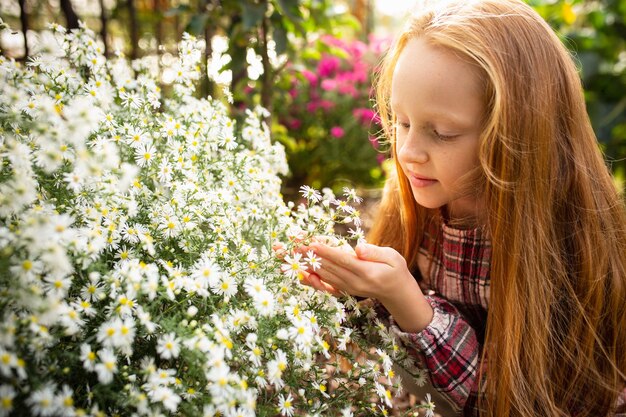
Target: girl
{"x": 500, "y": 246}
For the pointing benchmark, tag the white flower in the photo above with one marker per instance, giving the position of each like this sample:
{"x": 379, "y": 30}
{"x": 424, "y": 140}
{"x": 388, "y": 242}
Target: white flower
{"x": 383, "y": 393}
{"x": 165, "y": 172}
{"x": 310, "y": 194}
{"x": 107, "y": 366}
{"x": 168, "y": 346}
{"x": 65, "y": 402}
{"x": 136, "y": 137}
{"x": 292, "y": 266}
{"x": 350, "y": 194}
{"x": 7, "y": 394}
{"x": 207, "y": 271}
{"x": 253, "y": 286}
{"x": 265, "y": 304}
{"x": 42, "y": 401}
{"x": 322, "y": 388}
{"x": 285, "y": 405}
{"x": 145, "y": 154}
{"x": 429, "y": 406}
{"x": 167, "y": 397}
{"x": 301, "y": 332}
{"x": 93, "y": 290}
{"x": 88, "y": 357}
{"x": 131, "y": 100}
{"x": 226, "y": 286}
{"x": 347, "y": 412}
{"x": 313, "y": 260}
{"x": 275, "y": 369}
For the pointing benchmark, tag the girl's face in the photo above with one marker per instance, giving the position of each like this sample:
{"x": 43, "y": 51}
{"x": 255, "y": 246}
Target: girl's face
{"x": 437, "y": 100}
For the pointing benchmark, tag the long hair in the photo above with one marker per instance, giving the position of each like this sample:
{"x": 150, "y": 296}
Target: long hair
{"x": 556, "y": 332}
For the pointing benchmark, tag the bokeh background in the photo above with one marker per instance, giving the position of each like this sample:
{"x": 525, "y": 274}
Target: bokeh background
{"x": 311, "y": 64}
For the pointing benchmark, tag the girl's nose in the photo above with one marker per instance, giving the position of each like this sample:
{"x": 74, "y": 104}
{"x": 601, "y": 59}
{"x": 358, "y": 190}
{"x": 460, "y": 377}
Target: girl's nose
{"x": 412, "y": 151}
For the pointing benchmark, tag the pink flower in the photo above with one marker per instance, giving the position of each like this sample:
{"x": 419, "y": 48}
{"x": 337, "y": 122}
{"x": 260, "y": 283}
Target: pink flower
{"x": 332, "y": 41}
{"x": 310, "y": 76}
{"x": 293, "y": 93}
{"x": 347, "y": 89}
{"x": 337, "y": 132}
{"x": 311, "y": 106}
{"x": 294, "y": 124}
{"x": 329, "y": 85}
{"x": 365, "y": 115}
{"x": 327, "y": 66}
{"x": 326, "y": 104}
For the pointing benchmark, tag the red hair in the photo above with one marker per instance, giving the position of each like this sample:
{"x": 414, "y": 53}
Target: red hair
{"x": 556, "y": 332}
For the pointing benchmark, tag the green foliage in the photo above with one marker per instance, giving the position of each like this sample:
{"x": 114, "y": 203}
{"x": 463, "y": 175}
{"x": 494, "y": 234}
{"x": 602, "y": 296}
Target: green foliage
{"x": 323, "y": 115}
{"x": 595, "y": 32}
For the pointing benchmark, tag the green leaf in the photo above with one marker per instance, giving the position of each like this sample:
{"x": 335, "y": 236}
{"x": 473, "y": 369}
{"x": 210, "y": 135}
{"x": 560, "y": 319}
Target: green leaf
{"x": 290, "y": 8}
{"x": 197, "y": 24}
{"x": 253, "y": 14}
{"x": 175, "y": 11}
{"x": 280, "y": 37}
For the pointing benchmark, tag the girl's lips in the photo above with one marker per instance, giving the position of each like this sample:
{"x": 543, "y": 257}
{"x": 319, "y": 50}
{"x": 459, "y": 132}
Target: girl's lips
{"x": 420, "y": 182}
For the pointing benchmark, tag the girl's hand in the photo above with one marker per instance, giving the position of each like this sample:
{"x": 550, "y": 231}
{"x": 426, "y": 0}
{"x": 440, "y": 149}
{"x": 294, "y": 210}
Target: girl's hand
{"x": 367, "y": 271}
{"x": 378, "y": 272}
{"x": 308, "y": 278}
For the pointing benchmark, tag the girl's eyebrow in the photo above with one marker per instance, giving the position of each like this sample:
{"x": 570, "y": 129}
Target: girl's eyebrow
{"x": 448, "y": 117}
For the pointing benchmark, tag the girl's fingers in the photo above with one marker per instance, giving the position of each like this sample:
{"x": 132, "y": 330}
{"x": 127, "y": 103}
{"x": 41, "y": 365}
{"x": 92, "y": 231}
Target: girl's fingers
{"x": 314, "y": 281}
{"x": 279, "y": 249}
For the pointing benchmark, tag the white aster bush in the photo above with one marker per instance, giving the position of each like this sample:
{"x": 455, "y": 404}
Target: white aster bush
{"x": 137, "y": 276}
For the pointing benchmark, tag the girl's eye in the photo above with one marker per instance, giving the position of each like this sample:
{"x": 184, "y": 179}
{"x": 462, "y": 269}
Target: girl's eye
{"x": 443, "y": 137}
{"x": 403, "y": 125}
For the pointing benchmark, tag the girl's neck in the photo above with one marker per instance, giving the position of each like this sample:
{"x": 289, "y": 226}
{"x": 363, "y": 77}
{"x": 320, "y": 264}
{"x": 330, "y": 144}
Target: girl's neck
{"x": 470, "y": 215}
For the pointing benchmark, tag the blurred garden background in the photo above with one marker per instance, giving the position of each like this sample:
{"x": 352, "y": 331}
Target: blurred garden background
{"x": 311, "y": 64}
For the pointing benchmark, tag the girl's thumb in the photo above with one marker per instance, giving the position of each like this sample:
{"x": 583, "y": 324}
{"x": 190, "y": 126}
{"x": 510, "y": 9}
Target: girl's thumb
{"x": 369, "y": 252}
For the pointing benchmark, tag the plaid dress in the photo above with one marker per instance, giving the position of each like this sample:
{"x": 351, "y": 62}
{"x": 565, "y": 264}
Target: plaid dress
{"x": 457, "y": 288}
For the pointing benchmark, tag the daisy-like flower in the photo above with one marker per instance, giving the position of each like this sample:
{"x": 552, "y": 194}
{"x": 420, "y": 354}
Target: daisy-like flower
{"x": 265, "y": 304}
{"x": 301, "y": 332}
{"x": 7, "y": 394}
{"x": 206, "y": 270}
{"x": 57, "y": 285}
{"x": 65, "y": 402}
{"x": 131, "y": 100}
{"x": 313, "y": 260}
{"x": 145, "y": 154}
{"x": 93, "y": 290}
{"x": 88, "y": 357}
{"x": 165, "y": 172}
{"x": 253, "y": 286}
{"x": 170, "y": 226}
{"x": 293, "y": 267}
{"x": 275, "y": 369}
{"x": 383, "y": 393}
{"x": 168, "y": 346}
{"x": 136, "y": 137}
{"x": 285, "y": 405}
{"x": 347, "y": 412}
{"x": 322, "y": 388}
{"x": 107, "y": 366}
{"x": 429, "y": 406}
{"x": 108, "y": 332}
{"x": 228, "y": 141}
{"x": 42, "y": 401}
{"x": 167, "y": 397}
{"x": 311, "y": 194}
{"x": 226, "y": 286}
{"x": 350, "y": 194}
